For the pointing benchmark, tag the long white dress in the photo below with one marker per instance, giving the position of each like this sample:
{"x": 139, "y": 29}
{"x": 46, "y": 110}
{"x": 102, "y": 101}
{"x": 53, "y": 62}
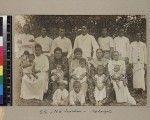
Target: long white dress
{"x": 100, "y": 94}
{"x": 122, "y": 92}
{"x": 35, "y": 88}
{"x": 87, "y": 43}
{"x": 138, "y": 57}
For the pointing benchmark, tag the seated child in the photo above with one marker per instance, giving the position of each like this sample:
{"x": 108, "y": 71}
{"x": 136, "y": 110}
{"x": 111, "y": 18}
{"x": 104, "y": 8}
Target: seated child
{"x": 80, "y": 74}
{"x": 57, "y": 75}
{"x": 76, "y": 96}
{"x": 100, "y": 88}
{"x": 60, "y": 97}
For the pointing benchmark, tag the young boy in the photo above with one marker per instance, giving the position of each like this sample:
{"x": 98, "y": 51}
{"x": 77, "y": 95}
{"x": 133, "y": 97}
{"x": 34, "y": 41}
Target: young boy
{"x": 77, "y": 97}
{"x": 100, "y": 88}
{"x": 60, "y": 97}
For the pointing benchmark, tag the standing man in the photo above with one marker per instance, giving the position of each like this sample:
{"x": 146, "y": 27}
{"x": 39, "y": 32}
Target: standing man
{"x": 45, "y": 42}
{"x": 62, "y": 42}
{"x": 106, "y": 42}
{"x": 121, "y": 44}
{"x": 138, "y": 59}
{"x": 26, "y": 40}
{"x": 87, "y": 43}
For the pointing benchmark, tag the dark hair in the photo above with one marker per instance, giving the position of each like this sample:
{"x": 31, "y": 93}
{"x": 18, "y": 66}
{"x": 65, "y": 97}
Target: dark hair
{"x": 26, "y": 52}
{"x": 76, "y": 83}
{"x": 38, "y": 46}
{"x": 82, "y": 60}
{"x": 57, "y": 49}
{"x": 78, "y": 50}
{"x": 100, "y": 50}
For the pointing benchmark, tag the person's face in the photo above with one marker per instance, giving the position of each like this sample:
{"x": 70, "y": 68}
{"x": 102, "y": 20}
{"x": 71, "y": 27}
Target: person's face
{"x": 77, "y": 88}
{"x": 121, "y": 32}
{"x": 99, "y": 54}
{"x": 84, "y": 30}
{"x": 107, "y": 55}
{"x": 25, "y": 28}
{"x": 115, "y": 55}
{"x": 104, "y": 32}
{"x": 62, "y": 33}
{"x": 61, "y": 87}
{"x": 138, "y": 37}
{"x": 83, "y": 64}
{"x": 38, "y": 51}
{"x": 100, "y": 70}
{"x": 116, "y": 68}
{"x": 78, "y": 55}
{"x": 43, "y": 32}
{"x": 58, "y": 54}
{"x": 59, "y": 68}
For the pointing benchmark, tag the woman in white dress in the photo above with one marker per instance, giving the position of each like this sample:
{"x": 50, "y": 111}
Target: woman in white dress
{"x": 117, "y": 70}
{"x": 38, "y": 86}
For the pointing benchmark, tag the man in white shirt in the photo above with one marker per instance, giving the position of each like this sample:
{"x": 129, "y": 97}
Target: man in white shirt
{"x": 45, "y": 42}
{"x": 106, "y": 42}
{"x": 138, "y": 59}
{"x": 62, "y": 42}
{"x": 26, "y": 40}
{"x": 122, "y": 45}
{"x": 87, "y": 43}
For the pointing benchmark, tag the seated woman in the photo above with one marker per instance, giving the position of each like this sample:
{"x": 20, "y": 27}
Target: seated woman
{"x": 54, "y": 61}
{"x": 39, "y": 78}
{"x": 117, "y": 71}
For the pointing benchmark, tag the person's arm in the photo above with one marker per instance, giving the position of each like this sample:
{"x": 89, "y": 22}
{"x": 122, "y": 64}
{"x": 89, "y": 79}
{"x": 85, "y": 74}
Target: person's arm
{"x": 111, "y": 45}
{"x": 110, "y": 68}
{"x": 71, "y": 98}
{"x": 53, "y": 46}
{"x": 69, "y": 48}
{"x": 95, "y": 46}
{"x": 128, "y": 48}
{"x": 50, "y": 46}
{"x": 75, "y": 44}
{"x": 82, "y": 99}
{"x": 145, "y": 57}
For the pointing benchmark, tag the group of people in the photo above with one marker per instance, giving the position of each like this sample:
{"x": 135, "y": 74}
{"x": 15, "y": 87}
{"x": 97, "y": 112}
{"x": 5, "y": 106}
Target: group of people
{"x": 89, "y": 72}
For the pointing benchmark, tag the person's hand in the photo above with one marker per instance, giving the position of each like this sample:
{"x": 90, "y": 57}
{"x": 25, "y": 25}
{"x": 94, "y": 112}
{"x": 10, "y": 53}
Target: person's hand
{"x": 31, "y": 40}
{"x": 89, "y": 58}
{"x": 37, "y": 71}
{"x": 126, "y": 60}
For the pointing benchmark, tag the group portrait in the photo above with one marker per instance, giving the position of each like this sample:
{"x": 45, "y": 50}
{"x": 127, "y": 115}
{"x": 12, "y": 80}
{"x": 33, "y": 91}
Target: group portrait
{"x": 80, "y": 60}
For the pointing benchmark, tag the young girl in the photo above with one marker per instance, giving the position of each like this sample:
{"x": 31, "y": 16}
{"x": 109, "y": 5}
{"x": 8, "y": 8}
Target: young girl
{"x": 60, "y": 96}
{"x": 80, "y": 74}
{"x": 117, "y": 71}
{"x": 100, "y": 89}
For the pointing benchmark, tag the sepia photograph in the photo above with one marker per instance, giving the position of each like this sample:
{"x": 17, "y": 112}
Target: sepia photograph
{"x": 80, "y": 60}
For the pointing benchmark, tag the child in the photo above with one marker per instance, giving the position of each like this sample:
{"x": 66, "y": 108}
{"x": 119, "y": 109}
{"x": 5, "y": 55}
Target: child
{"x": 100, "y": 89}
{"x": 57, "y": 75}
{"x": 76, "y": 96}
{"x": 60, "y": 96}
{"x": 80, "y": 74}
